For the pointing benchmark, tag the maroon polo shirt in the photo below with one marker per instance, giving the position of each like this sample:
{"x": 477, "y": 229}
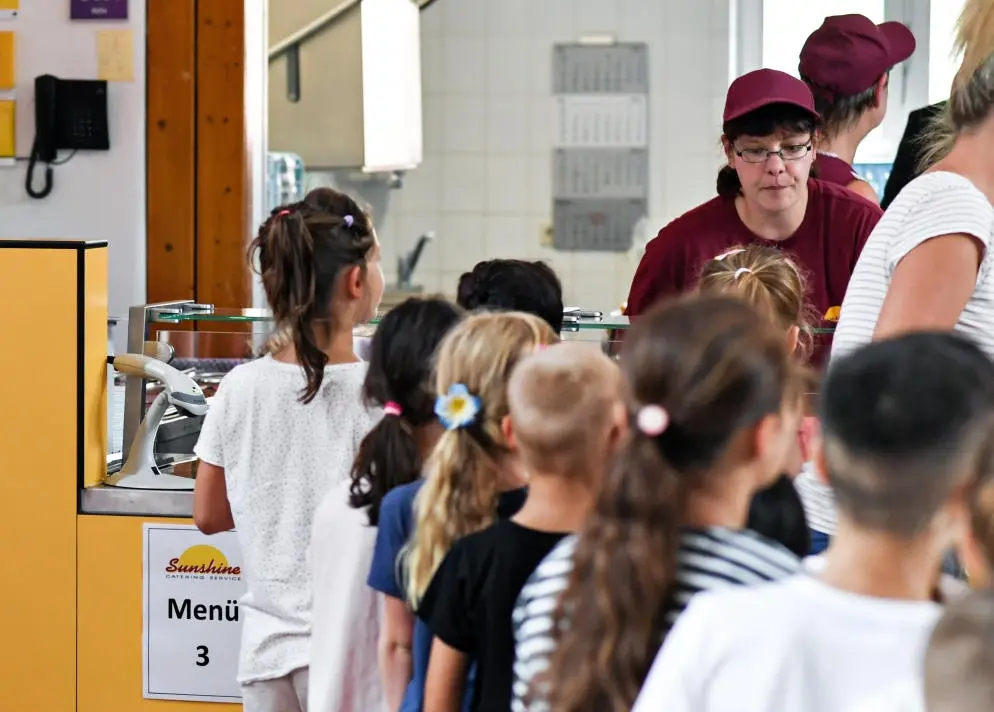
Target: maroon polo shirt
{"x": 826, "y": 245}
{"x": 832, "y": 169}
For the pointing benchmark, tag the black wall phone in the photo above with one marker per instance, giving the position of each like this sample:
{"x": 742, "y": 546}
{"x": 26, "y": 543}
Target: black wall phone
{"x": 70, "y": 114}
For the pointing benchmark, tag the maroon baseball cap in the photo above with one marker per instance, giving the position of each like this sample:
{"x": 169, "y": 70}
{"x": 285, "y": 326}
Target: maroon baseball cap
{"x": 764, "y": 87}
{"x": 848, "y": 53}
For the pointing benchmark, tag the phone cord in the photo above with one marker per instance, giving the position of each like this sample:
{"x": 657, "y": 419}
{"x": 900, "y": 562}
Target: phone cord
{"x": 29, "y": 181}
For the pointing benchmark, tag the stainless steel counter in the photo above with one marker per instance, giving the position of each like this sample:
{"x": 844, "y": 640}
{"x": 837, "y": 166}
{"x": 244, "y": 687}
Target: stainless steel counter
{"x": 134, "y": 502}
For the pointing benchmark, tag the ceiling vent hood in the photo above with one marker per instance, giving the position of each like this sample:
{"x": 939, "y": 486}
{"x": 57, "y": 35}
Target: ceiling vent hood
{"x": 345, "y": 84}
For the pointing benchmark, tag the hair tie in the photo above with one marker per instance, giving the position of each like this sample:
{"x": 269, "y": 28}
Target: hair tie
{"x": 282, "y": 213}
{"x": 349, "y": 220}
{"x": 652, "y": 420}
{"x": 393, "y": 408}
{"x": 458, "y": 408}
{"x": 741, "y": 271}
{"x": 723, "y": 255}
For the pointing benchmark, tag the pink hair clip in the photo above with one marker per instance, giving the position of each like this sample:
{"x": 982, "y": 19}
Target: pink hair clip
{"x": 282, "y": 213}
{"x": 652, "y": 420}
{"x": 393, "y": 408}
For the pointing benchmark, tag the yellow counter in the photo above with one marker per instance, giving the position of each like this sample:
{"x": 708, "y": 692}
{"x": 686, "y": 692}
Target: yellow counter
{"x": 71, "y": 593}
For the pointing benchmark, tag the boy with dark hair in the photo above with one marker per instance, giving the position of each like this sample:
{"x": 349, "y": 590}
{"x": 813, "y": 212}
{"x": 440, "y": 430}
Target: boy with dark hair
{"x": 905, "y": 425}
{"x": 847, "y": 62}
{"x": 513, "y": 285}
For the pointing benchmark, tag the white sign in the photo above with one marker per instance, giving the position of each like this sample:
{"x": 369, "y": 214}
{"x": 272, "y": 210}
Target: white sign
{"x": 192, "y": 625}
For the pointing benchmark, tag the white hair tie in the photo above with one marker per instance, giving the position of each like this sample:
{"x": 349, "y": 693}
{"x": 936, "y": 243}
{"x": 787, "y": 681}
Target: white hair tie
{"x": 723, "y": 255}
{"x": 741, "y": 271}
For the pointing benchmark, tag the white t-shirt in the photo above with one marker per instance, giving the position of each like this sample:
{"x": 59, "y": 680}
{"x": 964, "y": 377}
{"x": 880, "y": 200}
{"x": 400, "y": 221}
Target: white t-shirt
{"x": 345, "y": 625}
{"x": 280, "y": 458}
{"x": 931, "y": 205}
{"x": 798, "y": 644}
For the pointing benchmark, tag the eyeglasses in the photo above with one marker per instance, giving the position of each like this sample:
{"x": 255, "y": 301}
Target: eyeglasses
{"x": 762, "y": 155}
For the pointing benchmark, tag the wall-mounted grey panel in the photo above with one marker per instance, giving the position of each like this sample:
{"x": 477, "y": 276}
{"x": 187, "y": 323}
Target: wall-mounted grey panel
{"x": 600, "y": 173}
{"x": 601, "y": 69}
{"x": 596, "y": 225}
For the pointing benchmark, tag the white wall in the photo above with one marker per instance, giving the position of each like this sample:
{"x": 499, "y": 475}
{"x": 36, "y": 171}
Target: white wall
{"x": 485, "y": 184}
{"x": 97, "y": 195}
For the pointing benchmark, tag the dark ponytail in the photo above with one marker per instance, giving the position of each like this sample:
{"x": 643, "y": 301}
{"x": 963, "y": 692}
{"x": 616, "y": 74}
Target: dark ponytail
{"x": 729, "y": 185}
{"x": 400, "y": 366}
{"x": 302, "y": 250}
{"x": 697, "y": 372}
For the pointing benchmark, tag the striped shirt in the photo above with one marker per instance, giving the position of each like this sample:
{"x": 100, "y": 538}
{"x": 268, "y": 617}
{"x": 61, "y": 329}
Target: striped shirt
{"x": 708, "y": 559}
{"x": 931, "y": 205}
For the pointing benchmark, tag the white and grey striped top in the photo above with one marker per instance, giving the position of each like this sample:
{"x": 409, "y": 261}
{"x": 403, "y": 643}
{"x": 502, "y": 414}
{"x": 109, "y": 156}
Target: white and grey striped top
{"x": 933, "y": 204}
{"x": 708, "y": 559}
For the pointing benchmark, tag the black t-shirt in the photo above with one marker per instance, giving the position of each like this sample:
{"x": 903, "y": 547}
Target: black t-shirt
{"x": 469, "y": 603}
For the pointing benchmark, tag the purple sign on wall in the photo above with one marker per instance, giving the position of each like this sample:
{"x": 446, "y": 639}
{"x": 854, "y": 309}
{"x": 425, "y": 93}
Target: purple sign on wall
{"x": 99, "y": 9}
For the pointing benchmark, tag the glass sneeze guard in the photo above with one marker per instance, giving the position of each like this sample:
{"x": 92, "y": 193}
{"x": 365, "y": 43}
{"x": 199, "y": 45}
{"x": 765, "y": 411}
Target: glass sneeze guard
{"x": 189, "y": 314}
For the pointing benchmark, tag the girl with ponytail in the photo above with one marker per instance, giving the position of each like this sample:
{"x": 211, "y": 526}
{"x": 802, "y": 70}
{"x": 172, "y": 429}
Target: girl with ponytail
{"x": 284, "y": 429}
{"x": 471, "y": 477}
{"x": 347, "y": 622}
{"x": 713, "y": 402}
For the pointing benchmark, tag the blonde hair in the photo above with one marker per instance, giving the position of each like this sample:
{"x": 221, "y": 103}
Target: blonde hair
{"x": 563, "y": 402}
{"x": 460, "y": 494}
{"x": 971, "y": 96}
{"x": 767, "y": 279}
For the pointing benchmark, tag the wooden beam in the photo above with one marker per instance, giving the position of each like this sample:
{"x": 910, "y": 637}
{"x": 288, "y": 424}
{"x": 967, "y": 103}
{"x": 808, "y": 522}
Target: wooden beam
{"x": 171, "y": 173}
{"x": 223, "y": 232}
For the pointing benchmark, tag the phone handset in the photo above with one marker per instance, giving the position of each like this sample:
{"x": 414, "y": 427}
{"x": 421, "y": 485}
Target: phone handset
{"x": 43, "y": 149}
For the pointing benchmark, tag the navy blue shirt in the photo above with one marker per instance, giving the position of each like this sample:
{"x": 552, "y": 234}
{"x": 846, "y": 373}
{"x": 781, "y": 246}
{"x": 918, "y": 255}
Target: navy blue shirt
{"x": 385, "y": 575}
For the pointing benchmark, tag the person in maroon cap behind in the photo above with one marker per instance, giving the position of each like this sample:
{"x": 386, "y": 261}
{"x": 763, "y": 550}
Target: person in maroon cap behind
{"x": 767, "y": 197}
{"x": 846, "y": 63}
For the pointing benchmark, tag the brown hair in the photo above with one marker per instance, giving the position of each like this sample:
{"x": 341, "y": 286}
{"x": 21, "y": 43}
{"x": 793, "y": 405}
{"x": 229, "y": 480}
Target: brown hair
{"x": 459, "y": 496}
{"x": 960, "y": 656}
{"x": 980, "y": 501}
{"x": 767, "y": 120}
{"x": 302, "y": 250}
{"x": 766, "y": 278}
{"x": 717, "y": 367}
{"x": 971, "y": 96}
{"x": 840, "y": 113}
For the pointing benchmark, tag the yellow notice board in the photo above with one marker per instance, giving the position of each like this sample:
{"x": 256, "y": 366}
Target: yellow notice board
{"x": 6, "y": 61}
{"x": 7, "y": 142}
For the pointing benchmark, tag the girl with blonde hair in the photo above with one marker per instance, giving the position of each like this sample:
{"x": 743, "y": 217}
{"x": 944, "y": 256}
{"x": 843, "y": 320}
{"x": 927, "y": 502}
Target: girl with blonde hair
{"x": 471, "y": 478}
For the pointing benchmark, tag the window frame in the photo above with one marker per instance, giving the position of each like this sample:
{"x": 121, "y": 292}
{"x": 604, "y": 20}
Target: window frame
{"x": 909, "y": 82}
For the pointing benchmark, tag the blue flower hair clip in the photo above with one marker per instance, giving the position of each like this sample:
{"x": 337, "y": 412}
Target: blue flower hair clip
{"x": 458, "y": 408}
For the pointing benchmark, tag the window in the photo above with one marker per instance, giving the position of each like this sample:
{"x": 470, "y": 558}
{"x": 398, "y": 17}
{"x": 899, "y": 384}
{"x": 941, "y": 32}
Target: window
{"x": 787, "y": 24}
{"x": 942, "y": 66}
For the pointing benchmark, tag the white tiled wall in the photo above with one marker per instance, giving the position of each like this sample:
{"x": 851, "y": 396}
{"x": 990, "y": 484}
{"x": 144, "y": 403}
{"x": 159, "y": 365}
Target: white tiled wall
{"x": 485, "y": 185}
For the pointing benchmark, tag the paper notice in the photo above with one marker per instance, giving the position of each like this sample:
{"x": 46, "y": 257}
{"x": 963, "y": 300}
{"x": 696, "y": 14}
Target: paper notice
{"x": 116, "y": 55}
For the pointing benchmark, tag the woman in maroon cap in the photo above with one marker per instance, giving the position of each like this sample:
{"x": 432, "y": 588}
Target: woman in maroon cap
{"x": 846, "y": 63}
{"x": 765, "y": 196}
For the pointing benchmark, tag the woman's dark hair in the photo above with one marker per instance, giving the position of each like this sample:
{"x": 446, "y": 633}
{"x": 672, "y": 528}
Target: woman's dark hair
{"x": 302, "y": 249}
{"x": 400, "y": 369}
{"x": 513, "y": 285}
{"x": 765, "y": 121}
{"x": 715, "y": 366}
